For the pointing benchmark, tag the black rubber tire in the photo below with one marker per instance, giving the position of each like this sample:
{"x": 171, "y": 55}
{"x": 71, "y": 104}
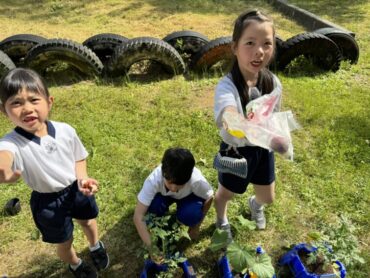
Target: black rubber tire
{"x": 346, "y": 43}
{"x": 215, "y": 51}
{"x": 279, "y": 43}
{"x": 324, "y": 51}
{"x": 104, "y": 44}
{"x": 145, "y": 48}
{"x": 187, "y": 43}
{"x": 76, "y": 55}
{"x": 17, "y": 46}
{"x": 6, "y": 64}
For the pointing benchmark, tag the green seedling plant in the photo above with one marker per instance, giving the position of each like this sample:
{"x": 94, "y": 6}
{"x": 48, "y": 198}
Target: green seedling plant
{"x": 342, "y": 237}
{"x": 180, "y": 44}
{"x": 165, "y": 233}
{"x": 323, "y": 257}
{"x": 243, "y": 259}
{"x": 335, "y": 242}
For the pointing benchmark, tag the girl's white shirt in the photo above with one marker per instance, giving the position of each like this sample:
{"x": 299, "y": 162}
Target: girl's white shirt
{"x": 226, "y": 94}
{"x": 48, "y": 165}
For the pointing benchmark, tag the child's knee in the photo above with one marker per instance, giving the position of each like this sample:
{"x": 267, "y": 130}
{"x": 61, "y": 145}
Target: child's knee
{"x": 190, "y": 215}
{"x": 222, "y": 195}
{"x": 268, "y": 199}
{"x": 86, "y": 223}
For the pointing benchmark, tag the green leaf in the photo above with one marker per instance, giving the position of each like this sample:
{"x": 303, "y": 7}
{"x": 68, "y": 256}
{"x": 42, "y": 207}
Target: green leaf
{"x": 35, "y": 234}
{"x": 240, "y": 258}
{"x": 251, "y": 225}
{"x": 262, "y": 266}
{"x": 218, "y": 240}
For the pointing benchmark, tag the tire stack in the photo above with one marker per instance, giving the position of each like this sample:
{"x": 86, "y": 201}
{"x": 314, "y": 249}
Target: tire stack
{"x": 113, "y": 55}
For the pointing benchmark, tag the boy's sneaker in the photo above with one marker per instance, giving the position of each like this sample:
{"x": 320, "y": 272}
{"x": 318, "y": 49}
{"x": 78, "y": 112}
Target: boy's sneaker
{"x": 100, "y": 257}
{"x": 227, "y": 229}
{"x": 84, "y": 271}
{"x": 257, "y": 214}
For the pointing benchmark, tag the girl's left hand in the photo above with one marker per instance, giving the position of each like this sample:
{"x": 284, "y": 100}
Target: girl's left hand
{"x": 88, "y": 186}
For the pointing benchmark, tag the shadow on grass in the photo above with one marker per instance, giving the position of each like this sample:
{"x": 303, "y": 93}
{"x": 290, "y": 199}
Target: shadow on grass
{"x": 340, "y": 12}
{"x": 122, "y": 243}
{"x": 40, "y": 10}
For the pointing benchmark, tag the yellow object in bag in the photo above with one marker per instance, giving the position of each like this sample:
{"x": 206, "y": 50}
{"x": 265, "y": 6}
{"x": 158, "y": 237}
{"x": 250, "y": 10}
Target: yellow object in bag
{"x": 236, "y": 133}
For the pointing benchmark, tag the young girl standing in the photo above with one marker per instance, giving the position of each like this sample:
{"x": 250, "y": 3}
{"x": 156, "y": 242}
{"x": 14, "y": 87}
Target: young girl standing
{"x": 253, "y": 46}
{"x": 52, "y": 160}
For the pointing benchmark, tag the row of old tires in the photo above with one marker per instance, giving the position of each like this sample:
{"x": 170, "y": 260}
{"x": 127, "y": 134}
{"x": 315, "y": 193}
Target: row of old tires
{"x": 113, "y": 55}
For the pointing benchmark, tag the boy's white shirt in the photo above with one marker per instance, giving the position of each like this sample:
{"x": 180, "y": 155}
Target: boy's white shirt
{"x": 48, "y": 166}
{"x": 154, "y": 184}
{"x": 226, "y": 94}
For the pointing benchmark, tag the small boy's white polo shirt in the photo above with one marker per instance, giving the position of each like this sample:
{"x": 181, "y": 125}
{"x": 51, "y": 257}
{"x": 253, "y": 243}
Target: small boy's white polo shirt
{"x": 47, "y": 163}
{"x": 155, "y": 184}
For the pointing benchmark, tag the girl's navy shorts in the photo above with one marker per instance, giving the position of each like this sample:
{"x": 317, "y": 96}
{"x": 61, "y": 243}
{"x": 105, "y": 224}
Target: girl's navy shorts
{"x": 53, "y": 212}
{"x": 261, "y": 169}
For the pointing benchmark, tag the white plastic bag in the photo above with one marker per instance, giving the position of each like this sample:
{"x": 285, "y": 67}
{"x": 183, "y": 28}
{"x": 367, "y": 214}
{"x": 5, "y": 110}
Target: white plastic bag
{"x": 263, "y": 127}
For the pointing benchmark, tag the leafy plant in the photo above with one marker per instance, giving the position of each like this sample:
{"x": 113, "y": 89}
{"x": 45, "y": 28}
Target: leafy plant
{"x": 243, "y": 259}
{"x": 243, "y": 223}
{"x": 341, "y": 239}
{"x": 323, "y": 256}
{"x": 180, "y": 45}
{"x": 165, "y": 233}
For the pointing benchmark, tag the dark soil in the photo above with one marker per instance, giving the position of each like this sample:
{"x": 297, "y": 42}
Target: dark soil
{"x": 316, "y": 268}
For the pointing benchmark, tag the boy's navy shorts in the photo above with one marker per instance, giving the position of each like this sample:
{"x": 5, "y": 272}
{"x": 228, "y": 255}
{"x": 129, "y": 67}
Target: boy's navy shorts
{"x": 261, "y": 169}
{"x": 189, "y": 209}
{"x": 53, "y": 212}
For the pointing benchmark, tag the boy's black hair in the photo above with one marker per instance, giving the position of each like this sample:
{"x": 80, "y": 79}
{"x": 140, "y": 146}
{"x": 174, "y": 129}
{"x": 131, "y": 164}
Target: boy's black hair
{"x": 177, "y": 165}
{"x": 19, "y": 79}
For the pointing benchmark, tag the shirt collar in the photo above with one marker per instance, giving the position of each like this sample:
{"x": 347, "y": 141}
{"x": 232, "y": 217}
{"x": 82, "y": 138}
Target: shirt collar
{"x": 33, "y": 137}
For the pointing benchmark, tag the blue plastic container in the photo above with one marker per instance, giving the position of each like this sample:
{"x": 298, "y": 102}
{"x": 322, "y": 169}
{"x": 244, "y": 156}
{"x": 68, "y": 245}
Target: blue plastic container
{"x": 188, "y": 269}
{"x": 224, "y": 266}
{"x": 149, "y": 265}
{"x": 293, "y": 261}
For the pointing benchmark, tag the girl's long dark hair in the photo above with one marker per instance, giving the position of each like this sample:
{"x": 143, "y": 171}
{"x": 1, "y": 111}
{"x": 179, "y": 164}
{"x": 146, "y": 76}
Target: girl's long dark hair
{"x": 265, "y": 81}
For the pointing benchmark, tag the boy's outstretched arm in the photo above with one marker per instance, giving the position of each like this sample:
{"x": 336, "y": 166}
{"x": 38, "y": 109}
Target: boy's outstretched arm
{"x": 7, "y": 175}
{"x": 86, "y": 185}
{"x": 140, "y": 224}
{"x": 194, "y": 231}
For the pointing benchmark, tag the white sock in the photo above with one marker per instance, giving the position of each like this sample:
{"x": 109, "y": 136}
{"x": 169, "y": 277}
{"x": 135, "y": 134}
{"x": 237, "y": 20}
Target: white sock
{"x": 95, "y": 247}
{"x": 222, "y": 222}
{"x": 75, "y": 266}
{"x": 256, "y": 205}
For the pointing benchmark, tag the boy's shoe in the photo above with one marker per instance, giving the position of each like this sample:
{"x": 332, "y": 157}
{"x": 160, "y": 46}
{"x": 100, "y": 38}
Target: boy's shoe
{"x": 257, "y": 214}
{"x": 84, "y": 271}
{"x": 227, "y": 229}
{"x": 100, "y": 257}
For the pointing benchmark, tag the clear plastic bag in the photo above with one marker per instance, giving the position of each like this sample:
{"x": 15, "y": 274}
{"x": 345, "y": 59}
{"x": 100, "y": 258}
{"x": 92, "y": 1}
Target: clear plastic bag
{"x": 262, "y": 126}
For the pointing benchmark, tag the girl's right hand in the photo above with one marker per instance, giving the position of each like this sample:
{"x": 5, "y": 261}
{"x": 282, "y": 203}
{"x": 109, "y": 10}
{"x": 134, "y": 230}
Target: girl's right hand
{"x": 7, "y": 175}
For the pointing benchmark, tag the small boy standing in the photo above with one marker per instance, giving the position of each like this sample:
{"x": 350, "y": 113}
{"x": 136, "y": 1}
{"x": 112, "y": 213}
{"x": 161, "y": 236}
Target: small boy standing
{"x": 176, "y": 180}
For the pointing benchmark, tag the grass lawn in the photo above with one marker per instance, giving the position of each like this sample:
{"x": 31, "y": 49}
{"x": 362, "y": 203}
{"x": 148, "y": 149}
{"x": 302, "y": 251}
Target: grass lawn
{"x": 127, "y": 125}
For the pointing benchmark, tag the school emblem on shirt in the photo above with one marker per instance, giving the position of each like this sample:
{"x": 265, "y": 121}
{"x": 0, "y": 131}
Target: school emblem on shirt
{"x": 50, "y": 147}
